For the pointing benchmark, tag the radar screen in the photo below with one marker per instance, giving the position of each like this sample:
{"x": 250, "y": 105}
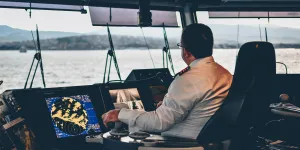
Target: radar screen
{"x": 129, "y": 97}
{"x": 73, "y": 115}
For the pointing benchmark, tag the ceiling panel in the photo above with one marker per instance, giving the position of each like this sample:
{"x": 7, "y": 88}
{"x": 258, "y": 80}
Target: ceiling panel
{"x": 23, "y": 5}
{"x": 101, "y": 16}
{"x": 245, "y": 5}
{"x": 227, "y": 14}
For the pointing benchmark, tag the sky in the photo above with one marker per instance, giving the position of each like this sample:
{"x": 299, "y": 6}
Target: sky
{"x": 47, "y": 20}
{"x": 81, "y": 23}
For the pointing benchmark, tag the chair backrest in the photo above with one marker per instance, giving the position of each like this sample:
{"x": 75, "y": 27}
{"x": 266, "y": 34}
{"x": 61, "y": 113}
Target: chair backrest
{"x": 249, "y": 94}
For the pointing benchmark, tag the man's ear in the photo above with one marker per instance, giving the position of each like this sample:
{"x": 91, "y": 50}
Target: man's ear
{"x": 187, "y": 53}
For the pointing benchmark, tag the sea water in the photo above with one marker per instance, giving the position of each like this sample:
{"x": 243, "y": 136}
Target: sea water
{"x": 73, "y": 68}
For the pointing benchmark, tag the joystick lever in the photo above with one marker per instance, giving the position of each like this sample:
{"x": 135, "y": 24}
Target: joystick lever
{"x": 117, "y": 129}
{"x": 114, "y": 125}
{"x": 284, "y": 98}
{"x": 111, "y": 125}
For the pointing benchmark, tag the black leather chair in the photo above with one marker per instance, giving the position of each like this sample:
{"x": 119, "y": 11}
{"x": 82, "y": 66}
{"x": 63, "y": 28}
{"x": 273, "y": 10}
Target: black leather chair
{"x": 247, "y": 104}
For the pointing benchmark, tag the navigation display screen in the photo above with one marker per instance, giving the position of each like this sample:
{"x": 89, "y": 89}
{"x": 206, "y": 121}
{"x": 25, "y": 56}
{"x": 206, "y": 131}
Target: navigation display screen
{"x": 73, "y": 115}
{"x": 129, "y": 97}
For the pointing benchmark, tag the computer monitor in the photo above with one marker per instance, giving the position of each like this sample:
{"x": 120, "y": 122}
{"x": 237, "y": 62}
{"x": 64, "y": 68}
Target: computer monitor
{"x": 72, "y": 115}
{"x": 63, "y": 117}
{"x": 129, "y": 96}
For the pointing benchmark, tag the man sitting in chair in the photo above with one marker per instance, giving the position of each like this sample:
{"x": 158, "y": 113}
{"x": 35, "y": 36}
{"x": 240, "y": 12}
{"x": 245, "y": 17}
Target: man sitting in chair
{"x": 194, "y": 96}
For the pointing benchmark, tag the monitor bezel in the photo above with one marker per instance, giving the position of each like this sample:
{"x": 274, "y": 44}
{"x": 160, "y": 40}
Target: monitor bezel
{"x": 44, "y": 128}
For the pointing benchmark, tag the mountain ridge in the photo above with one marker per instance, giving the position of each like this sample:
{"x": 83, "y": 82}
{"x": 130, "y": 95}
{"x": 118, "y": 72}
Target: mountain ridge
{"x": 226, "y": 36}
{"x": 9, "y": 34}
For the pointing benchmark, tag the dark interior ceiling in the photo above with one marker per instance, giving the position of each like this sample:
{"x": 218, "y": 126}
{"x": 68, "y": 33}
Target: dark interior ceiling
{"x": 155, "y": 4}
{"x": 241, "y": 5}
{"x": 255, "y": 5}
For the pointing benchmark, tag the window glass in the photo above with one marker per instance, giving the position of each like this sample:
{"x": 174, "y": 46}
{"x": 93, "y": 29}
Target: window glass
{"x": 74, "y": 52}
{"x": 231, "y": 33}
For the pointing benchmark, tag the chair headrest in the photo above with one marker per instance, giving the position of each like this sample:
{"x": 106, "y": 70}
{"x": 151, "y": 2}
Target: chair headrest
{"x": 255, "y": 59}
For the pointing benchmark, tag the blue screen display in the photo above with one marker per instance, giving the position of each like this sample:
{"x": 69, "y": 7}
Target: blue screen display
{"x": 72, "y": 115}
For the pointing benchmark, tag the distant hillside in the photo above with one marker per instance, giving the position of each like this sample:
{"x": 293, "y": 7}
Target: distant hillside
{"x": 91, "y": 42}
{"x": 9, "y": 34}
{"x": 100, "y": 42}
{"x": 223, "y": 34}
{"x": 228, "y": 34}
{"x": 225, "y": 37}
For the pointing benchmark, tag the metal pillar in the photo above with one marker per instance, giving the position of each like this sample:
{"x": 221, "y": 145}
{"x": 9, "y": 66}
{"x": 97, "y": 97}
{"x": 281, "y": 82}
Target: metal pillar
{"x": 188, "y": 14}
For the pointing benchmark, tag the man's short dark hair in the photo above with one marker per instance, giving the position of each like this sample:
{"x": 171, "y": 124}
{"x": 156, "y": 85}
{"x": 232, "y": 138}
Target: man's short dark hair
{"x": 198, "y": 39}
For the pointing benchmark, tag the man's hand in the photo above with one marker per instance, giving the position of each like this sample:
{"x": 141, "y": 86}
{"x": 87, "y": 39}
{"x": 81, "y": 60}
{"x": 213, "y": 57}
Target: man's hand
{"x": 111, "y": 116}
{"x": 159, "y": 104}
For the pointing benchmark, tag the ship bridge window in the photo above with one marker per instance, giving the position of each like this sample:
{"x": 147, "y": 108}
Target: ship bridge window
{"x": 73, "y": 50}
{"x": 142, "y": 48}
{"x": 231, "y": 32}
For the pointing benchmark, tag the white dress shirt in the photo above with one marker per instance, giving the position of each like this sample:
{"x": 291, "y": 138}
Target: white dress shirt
{"x": 191, "y": 100}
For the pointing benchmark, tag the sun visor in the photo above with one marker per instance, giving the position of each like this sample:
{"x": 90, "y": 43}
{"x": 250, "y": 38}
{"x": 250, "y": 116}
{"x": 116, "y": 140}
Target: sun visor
{"x": 220, "y": 14}
{"x": 25, "y": 5}
{"x": 101, "y": 16}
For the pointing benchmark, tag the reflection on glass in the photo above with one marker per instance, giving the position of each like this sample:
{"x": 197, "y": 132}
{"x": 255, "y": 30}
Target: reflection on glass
{"x": 73, "y": 50}
{"x": 126, "y": 98}
{"x": 231, "y": 33}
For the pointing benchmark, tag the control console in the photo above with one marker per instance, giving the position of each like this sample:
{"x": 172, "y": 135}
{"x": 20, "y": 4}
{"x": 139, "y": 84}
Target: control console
{"x": 120, "y": 138}
{"x": 142, "y": 140}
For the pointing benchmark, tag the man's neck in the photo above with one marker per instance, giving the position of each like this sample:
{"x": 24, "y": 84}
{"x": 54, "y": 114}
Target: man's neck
{"x": 205, "y": 59}
{"x": 189, "y": 61}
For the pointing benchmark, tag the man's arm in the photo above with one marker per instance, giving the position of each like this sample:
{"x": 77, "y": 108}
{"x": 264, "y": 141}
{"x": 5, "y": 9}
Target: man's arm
{"x": 181, "y": 98}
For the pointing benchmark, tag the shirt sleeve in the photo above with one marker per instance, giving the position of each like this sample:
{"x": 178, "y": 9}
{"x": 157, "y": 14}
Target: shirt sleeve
{"x": 180, "y": 99}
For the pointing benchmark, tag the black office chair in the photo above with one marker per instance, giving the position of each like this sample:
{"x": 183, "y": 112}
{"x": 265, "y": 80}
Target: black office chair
{"x": 247, "y": 104}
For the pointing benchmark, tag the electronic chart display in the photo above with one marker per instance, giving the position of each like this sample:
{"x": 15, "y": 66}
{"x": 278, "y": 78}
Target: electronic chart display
{"x": 129, "y": 97}
{"x": 72, "y": 115}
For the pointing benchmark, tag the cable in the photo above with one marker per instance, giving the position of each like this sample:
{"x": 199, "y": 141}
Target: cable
{"x": 111, "y": 53}
{"x": 168, "y": 51}
{"x": 286, "y": 69}
{"x": 148, "y": 47}
{"x": 237, "y": 37}
{"x": 29, "y": 73}
{"x": 30, "y": 9}
{"x": 238, "y": 33}
{"x": 260, "y": 33}
{"x": 40, "y": 56}
{"x": 273, "y": 121}
{"x": 266, "y": 34}
{"x": 34, "y": 41}
{"x": 110, "y": 15}
{"x": 34, "y": 73}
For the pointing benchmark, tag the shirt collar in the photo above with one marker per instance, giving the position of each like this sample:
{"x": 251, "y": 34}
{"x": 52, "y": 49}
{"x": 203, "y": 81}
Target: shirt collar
{"x": 201, "y": 61}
